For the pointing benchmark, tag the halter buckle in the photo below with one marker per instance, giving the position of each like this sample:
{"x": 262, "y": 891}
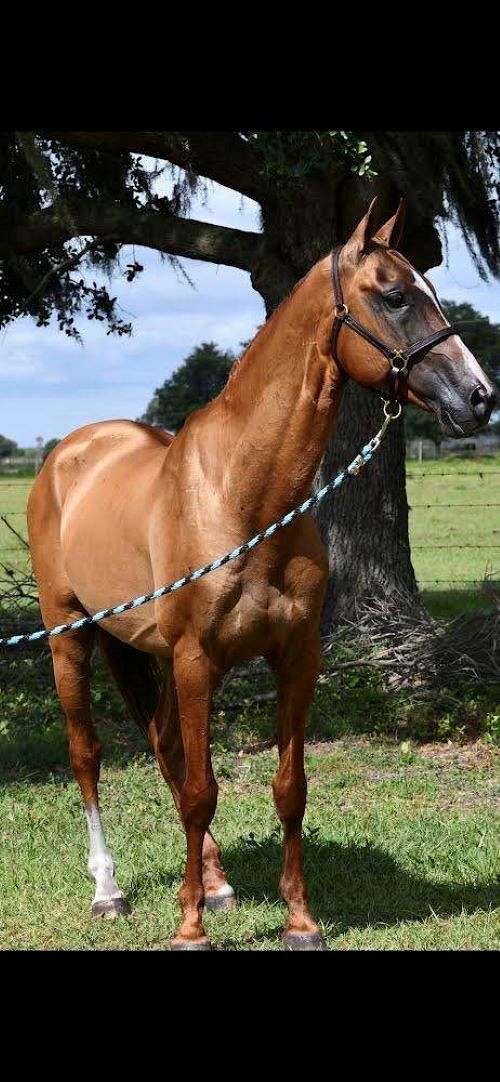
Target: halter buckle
{"x": 341, "y": 311}
{"x": 398, "y": 355}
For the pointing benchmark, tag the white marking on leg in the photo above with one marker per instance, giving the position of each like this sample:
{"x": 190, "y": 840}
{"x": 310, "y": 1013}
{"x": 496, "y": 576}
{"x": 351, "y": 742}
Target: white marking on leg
{"x": 100, "y": 862}
{"x": 225, "y": 891}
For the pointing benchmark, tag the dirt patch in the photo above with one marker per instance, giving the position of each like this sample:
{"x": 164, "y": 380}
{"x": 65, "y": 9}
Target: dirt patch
{"x": 466, "y": 756}
{"x": 326, "y": 747}
{"x": 490, "y": 802}
{"x": 382, "y": 775}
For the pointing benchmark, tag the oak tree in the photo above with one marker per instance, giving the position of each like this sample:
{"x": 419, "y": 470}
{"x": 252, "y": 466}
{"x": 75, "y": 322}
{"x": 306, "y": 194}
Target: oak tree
{"x": 70, "y": 200}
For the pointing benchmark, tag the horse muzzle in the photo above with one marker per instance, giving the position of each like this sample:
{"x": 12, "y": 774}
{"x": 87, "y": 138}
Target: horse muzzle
{"x": 456, "y": 390}
{"x": 460, "y": 416}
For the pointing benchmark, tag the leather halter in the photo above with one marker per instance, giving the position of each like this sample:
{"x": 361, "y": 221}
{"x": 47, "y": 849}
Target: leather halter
{"x": 401, "y": 360}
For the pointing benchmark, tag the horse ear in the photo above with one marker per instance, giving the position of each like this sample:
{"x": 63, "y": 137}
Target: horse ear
{"x": 390, "y": 234}
{"x": 359, "y": 240}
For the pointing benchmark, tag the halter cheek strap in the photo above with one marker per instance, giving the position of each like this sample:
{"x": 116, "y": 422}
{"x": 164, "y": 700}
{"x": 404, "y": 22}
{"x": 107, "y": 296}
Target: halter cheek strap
{"x": 401, "y": 360}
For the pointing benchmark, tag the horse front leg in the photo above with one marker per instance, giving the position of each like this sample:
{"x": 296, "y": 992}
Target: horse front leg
{"x": 296, "y": 672}
{"x": 166, "y": 740}
{"x": 195, "y": 683}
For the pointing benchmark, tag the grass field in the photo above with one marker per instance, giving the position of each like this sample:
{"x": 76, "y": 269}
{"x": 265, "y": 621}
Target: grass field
{"x": 13, "y": 498}
{"x": 400, "y": 851}
{"x": 401, "y": 832}
{"x": 464, "y": 512}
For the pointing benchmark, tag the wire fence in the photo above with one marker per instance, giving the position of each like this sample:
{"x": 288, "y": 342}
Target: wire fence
{"x": 452, "y": 473}
{"x": 438, "y": 505}
{"x": 480, "y": 475}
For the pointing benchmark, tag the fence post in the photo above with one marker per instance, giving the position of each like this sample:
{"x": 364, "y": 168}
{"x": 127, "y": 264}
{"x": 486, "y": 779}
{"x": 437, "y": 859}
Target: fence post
{"x": 39, "y": 453}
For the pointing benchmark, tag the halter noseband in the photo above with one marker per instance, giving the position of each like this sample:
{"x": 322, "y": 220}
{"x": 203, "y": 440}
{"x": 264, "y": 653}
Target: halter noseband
{"x": 401, "y": 360}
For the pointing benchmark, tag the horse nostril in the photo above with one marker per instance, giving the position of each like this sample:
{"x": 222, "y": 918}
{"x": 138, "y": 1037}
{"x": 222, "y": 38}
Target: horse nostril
{"x": 482, "y": 402}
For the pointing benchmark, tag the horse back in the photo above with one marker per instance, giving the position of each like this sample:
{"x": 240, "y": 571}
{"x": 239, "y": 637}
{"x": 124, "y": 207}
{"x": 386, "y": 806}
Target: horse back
{"x": 80, "y": 456}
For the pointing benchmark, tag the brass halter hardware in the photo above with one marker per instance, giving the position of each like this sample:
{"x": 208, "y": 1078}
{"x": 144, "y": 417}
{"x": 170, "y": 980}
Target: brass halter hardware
{"x": 400, "y": 356}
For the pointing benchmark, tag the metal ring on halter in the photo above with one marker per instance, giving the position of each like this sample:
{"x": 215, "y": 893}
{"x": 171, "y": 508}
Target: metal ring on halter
{"x": 398, "y": 355}
{"x": 341, "y": 311}
{"x": 387, "y": 413}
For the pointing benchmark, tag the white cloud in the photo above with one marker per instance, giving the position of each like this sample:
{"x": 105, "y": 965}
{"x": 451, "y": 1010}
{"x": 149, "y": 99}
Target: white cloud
{"x": 16, "y": 363}
{"x": 20, "y": 365}
{"x": 185, "y": 329}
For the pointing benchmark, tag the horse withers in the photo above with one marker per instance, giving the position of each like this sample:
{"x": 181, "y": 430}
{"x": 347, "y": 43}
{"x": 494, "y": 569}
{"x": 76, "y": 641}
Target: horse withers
{"x": 119, "y": 508}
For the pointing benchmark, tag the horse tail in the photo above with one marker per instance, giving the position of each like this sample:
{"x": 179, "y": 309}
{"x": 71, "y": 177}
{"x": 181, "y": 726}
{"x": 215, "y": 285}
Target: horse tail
{"x": 139, "y": 677}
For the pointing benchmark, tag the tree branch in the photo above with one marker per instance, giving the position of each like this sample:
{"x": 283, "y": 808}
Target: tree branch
{"x": 224, "y": 157}
{"x": 67, "y": 264}
{"x": 175, "y": 236}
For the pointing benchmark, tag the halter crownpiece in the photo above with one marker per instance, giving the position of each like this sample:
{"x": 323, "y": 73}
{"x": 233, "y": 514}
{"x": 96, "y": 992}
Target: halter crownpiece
{"x": 400, "y": 359}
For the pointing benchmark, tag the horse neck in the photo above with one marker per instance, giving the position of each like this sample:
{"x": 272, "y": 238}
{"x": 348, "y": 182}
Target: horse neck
{"x": 279, "y": 403}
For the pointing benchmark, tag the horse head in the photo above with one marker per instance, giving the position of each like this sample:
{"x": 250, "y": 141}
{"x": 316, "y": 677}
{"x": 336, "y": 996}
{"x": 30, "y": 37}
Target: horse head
{"x": 390, "y": 331}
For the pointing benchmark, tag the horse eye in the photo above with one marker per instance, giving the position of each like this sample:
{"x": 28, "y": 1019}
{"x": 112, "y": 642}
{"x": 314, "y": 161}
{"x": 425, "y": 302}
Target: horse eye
{"x": 395, "y": 299}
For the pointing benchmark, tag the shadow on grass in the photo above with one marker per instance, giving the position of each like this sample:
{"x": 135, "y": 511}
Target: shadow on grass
{"x": 35, "y": 756}
{"x": 349, "y": 886}
{"x": 33, "y": 742}
{"x": 448, "y": 604}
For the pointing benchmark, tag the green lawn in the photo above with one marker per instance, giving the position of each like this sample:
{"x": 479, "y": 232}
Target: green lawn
{"x": 13, "y": 499}
{"x": 401, "y": 834}
{"x": 401, "y": 831}
{"x": 439, "y": 532}
{"x": 401, "y": 850}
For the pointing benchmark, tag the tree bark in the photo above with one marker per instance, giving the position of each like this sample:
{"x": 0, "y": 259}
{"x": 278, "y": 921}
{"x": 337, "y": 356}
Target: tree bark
{"x": 163, "y": 232}
{"x": 365, "y": 523}
{"x": 222, "y": 156}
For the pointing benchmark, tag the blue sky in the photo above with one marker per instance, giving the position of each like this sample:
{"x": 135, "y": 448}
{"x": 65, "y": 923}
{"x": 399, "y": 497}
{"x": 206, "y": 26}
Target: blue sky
{"x": 50, "y": 385}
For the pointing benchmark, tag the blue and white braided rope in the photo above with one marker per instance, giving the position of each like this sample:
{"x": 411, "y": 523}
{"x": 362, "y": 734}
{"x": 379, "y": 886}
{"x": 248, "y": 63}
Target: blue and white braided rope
{"x": 86, "y": 621}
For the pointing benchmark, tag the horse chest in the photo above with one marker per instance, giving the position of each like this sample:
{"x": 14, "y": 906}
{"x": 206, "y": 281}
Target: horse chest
{"x": 259, "y": 617}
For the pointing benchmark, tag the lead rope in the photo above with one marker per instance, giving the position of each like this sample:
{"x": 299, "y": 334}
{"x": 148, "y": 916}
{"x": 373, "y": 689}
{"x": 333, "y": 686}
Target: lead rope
{"x": 355, "y": 466}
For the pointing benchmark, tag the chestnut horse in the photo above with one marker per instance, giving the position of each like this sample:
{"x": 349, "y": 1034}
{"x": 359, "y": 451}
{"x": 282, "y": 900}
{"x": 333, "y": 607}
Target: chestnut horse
{"x": 120, "y": 508}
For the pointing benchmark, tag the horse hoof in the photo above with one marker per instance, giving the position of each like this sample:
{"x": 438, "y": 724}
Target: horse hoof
{"x": 191, "y": 945}
{"x": 304, "y": 941}
{"x": 111, "y": 908}
{"x": 223, "y": 898}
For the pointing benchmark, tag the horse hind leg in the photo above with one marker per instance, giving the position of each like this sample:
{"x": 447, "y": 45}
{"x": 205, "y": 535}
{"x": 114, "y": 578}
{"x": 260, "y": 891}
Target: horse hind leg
{"x": 71, "y": 661}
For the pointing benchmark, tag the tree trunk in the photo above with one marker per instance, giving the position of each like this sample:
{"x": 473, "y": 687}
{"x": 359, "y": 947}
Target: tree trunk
{"x": 365, "y": 523}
